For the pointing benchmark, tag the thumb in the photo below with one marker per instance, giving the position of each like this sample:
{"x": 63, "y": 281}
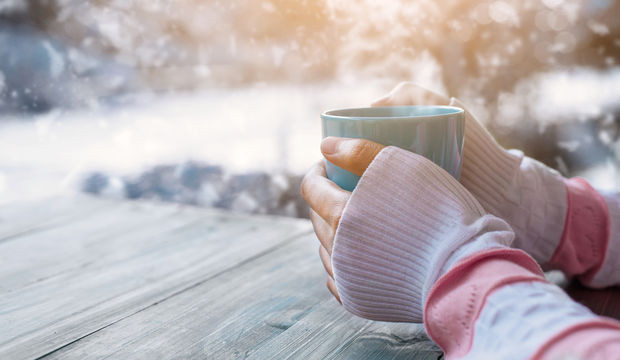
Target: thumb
{"x": 353, "y": 155}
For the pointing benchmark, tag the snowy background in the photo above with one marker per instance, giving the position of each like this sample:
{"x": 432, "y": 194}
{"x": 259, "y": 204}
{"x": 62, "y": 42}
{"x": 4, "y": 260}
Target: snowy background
{"x": 217, "y": 103}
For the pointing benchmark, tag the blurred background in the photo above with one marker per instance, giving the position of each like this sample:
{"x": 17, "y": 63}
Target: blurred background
{"x": 216, "y": 103}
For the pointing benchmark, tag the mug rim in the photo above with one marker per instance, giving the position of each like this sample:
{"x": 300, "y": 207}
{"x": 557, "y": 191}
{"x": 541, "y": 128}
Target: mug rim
{"x": 327, "y": 114}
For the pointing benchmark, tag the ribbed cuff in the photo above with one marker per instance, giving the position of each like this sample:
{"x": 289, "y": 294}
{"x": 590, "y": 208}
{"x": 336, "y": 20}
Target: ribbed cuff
{"x": 488, "y": 170}
{"x": 497, "y": 305}
{"x": 402, "y": 225}
{"x": 583, "y": 247}
{"x": 523, "y": 191}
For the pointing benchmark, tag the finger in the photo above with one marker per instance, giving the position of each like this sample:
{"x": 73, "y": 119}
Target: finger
{"x": 331, "y": 285}
{"x": 324, "y": 232}
{"x": 353, "y": 155}
{"x": 319, "y": 169}
{"x": 324, "y": 197}
{"x": 327, "y": 260}
{"x": 385, "y": 100}
{"x": 399, "y": 95}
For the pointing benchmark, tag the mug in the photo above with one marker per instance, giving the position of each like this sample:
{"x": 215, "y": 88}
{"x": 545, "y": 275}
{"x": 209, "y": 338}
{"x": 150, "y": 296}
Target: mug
{"x": 433, "y": 131}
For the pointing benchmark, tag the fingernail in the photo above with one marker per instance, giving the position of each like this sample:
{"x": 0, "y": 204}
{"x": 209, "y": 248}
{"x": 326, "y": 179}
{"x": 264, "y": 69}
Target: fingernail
{"x": 329, "y": 145}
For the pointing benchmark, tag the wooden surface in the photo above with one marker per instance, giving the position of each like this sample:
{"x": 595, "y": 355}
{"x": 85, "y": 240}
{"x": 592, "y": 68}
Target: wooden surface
{"x": 85, "y": 278}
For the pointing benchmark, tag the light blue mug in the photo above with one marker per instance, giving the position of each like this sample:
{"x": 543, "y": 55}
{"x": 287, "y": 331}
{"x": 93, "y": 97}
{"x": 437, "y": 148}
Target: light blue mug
{"x": 435, "y": 132}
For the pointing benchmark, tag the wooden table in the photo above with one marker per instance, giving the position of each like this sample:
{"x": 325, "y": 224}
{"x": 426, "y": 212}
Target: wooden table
{"x": 84, "y": 278}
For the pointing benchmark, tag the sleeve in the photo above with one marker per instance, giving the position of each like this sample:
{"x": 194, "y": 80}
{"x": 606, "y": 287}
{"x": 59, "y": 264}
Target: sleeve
{"x": 496, "y": 304}
{"x": 406, "y": 222}
{"x": 583, "y": 246}
{"x": 562, "y": 223}
{"x": 589, "y": 248}
{"x": 413, "y": 245}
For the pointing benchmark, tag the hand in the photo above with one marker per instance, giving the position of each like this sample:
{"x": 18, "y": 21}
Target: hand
{"x": 526, "y": 193}
{"x": 326, "y": 199}
{"x": 407, "y": 223}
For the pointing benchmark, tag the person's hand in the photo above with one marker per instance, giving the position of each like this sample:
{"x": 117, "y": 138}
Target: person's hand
{"x": 406, "y": 223}
{"x": 326, "y": 199}
{"x": 523, "y": 191}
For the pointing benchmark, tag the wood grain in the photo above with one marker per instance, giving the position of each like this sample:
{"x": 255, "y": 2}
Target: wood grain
{"x": 118, "y": 275}
{"x": 28, "y": 217}
{"x": 84, "y": 278}
{"x": 272, "y": 307}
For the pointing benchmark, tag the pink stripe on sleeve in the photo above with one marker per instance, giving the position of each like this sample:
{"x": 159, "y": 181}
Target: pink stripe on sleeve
{"x": 583, "y": 245}
{"x": 456, "y": 300}
{"x": 594, "y": 340}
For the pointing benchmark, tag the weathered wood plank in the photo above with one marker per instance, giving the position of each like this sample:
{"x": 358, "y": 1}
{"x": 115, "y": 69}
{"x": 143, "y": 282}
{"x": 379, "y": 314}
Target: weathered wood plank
{"x": 83, "y": 242}
{"x": 28, "y": 217}
{"x": 109, "y": 279}
{"x": 120, "y": 274}
{"x": 273, "y": 307}
{"x": 330, "y": 332}
{"x": 93, "y": 237}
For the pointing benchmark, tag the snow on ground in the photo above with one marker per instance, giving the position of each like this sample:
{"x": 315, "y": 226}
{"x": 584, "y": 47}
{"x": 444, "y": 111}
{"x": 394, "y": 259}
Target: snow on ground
{"x": 249, "y": 132}
{"x": 263, "y": 128}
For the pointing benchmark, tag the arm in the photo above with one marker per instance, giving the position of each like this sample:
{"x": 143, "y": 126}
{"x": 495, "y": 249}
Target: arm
{"x": 496, "y": 304}
{"x": 413, "y": 244}
{"x": 562, "y": 223}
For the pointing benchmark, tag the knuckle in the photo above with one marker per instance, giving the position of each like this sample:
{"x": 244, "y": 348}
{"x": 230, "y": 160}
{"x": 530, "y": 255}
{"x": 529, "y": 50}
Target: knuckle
{"x": 313, "y": 216}
{"x": 359, "y": 150}
{"x": 306, "y": 187}
{"x": 404, "y": 85}
{"x": 362, "y": 152}
{"x": 335, "y": 217}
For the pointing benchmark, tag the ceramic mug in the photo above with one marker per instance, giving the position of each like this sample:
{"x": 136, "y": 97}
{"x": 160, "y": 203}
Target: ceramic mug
{"x": 433, "y": 131}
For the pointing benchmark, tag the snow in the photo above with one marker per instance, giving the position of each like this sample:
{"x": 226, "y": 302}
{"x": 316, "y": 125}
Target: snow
{"x": 598, "y": 28}
{"x": 603, "y": 177}
{"x": 7, "y": 6}
{"x": 582, "y": 92}
{"x": 120, "y": 91}
{"x": 3, "y": 187}
{"x": 553, "y": 3}
{"x": 56, "y": 62}
{"x": 265, "y": 128}
{"x": 569, "y": 146}
{"x": 502, "y": 12}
